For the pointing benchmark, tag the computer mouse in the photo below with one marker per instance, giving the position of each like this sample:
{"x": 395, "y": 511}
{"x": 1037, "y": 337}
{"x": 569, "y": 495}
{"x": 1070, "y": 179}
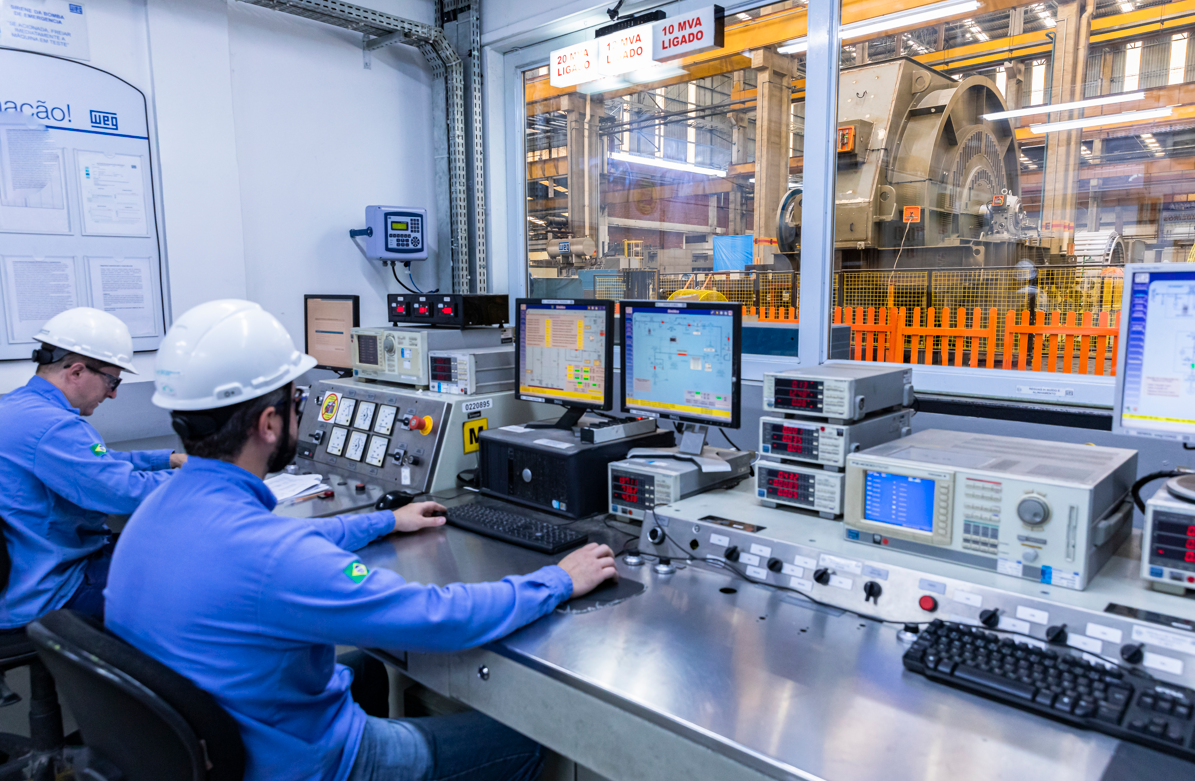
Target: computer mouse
{"x": 393, "y": 500}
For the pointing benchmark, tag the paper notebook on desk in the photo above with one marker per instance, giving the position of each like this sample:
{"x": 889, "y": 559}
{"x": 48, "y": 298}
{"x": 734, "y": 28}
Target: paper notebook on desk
{"x": 285, "y": 486}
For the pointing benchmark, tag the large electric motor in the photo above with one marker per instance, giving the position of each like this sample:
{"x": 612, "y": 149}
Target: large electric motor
{"x": 921, "y": 174}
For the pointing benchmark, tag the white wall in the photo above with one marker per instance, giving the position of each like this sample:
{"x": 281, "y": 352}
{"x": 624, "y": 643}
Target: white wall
{"x": 318, "y": 137}
{"x": 271, "y": 139}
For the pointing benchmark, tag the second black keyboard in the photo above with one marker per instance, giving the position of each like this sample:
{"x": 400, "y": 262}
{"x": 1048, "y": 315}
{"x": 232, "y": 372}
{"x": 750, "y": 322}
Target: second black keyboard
{"x": 514, "y": 528}
{"x": 1058, "y": 684}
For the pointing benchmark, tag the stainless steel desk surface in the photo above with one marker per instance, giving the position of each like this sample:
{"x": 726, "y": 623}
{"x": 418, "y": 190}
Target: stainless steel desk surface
{"x": 782, "y": 688}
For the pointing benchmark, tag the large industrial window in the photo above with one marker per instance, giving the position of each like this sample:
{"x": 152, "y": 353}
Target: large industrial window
{"x": 965, "y": 238}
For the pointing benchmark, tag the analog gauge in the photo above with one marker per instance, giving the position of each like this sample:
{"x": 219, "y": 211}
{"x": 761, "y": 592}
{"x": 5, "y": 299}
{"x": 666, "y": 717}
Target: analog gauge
{"x": 344, "y": 415}
{"x": 385, "y": 422}
{"x": 365, "y": 415}
{"x": 356, "y": 447}
{"x": 336, "y": 441}
{"x": 377, "y": 451}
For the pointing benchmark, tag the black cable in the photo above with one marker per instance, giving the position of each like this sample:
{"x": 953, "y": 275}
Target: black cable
{"x": 1149, "y": 478}
{"x": 399, "y": 281}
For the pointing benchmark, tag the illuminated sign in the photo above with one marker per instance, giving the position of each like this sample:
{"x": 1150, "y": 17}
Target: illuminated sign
{"x": 629, "y": 50}
{"x": 691, "y": 33}
{"x": 638, "y": 48}
{"x": 574, "y": 65}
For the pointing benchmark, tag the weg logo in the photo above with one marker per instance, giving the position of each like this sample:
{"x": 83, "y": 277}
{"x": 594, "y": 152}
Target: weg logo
{"x": 105, "y": 120}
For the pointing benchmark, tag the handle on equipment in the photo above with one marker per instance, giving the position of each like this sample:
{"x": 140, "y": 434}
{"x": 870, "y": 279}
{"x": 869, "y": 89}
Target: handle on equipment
{"x": 354, "y": 233}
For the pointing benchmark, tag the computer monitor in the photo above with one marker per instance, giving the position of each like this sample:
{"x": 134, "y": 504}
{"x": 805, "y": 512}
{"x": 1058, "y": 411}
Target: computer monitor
{"x": 565, "y": 354}
{"x": 1155, "y": 377}
{"x": 681, "y": 361}
{"x": 328, "y": 321}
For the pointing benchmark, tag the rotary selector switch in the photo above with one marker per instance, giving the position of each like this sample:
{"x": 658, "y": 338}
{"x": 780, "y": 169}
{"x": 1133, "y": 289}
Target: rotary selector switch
{"x": 389, "y": 345}
{"x": 1033, "y": 510}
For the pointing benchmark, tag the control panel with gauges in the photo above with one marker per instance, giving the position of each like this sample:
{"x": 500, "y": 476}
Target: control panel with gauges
{"x": 403, "y": 439}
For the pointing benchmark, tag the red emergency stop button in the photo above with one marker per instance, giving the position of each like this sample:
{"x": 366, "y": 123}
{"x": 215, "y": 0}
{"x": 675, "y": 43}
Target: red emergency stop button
{"x": 421, "y": 424}
{"x": 928, "y": 603}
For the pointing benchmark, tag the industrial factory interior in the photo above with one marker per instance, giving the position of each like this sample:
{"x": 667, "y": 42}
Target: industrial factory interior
{"x": 520, "y": 390}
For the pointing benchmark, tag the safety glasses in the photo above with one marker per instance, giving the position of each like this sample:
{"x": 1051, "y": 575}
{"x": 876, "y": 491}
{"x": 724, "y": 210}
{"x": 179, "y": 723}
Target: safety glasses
{"x": 113, "y": 382}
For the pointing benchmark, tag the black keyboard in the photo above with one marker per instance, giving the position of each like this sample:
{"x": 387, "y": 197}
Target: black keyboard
{"x": 1058, "y": 684}
{"x": 514, "y": 528}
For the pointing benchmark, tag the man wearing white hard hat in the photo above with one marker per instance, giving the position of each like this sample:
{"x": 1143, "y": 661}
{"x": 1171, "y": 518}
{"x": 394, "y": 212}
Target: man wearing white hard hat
{"x": 60, "y": 480}
{"x": 250, "y": 605}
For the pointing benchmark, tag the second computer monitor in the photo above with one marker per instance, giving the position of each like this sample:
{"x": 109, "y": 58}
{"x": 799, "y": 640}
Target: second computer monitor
{"x": 1155, "y": 378}
{"x": 564, "y": 352}
{"x": 680, "y": 360}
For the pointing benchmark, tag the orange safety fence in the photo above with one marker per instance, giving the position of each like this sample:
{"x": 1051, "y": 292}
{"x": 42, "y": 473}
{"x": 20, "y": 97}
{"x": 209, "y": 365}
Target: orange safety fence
{"x": 772, "y": 314}
{"x": 1060, "y": 334}
{"x": 964, "y": 339}
{"x": 873, "y": 331}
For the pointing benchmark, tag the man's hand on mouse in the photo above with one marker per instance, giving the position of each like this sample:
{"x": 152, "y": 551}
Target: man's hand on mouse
{"x": 589, "y": 567}
{"x": 418, "y": 515}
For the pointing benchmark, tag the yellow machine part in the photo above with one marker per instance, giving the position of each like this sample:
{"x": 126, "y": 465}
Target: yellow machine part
{"x": 689, "y": 294}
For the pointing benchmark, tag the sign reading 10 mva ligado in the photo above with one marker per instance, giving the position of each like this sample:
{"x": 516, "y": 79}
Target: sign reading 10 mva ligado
{"x": 637, "y": 48}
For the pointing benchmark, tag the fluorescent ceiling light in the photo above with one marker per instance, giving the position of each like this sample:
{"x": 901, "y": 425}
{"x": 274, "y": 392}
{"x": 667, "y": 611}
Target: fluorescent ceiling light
{"x": 910, "y": 18}
{"x": 654, "y": 73}
{"x": 603, "y": 85}
{"x": 745, "y": 17}
{"x": 1127, "y": 116}
{"x": 672, "y": 165}
{"x": 1101, "y": 101}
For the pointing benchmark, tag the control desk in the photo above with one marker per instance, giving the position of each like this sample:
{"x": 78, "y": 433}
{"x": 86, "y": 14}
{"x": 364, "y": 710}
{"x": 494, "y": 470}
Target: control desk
{"x": 706, "y": 676}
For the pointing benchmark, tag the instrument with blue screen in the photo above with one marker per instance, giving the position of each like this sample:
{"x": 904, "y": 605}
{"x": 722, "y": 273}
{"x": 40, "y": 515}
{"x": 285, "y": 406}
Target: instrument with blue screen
{"x": 1045, "y": 511}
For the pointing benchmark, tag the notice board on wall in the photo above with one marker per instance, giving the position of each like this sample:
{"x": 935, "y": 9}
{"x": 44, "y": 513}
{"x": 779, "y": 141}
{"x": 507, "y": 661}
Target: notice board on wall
{"x": 79, "y": 224}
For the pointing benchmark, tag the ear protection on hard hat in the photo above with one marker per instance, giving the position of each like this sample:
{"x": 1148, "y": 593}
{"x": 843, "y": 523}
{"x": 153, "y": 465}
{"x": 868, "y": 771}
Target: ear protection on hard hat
{"x": 47, "y": 354}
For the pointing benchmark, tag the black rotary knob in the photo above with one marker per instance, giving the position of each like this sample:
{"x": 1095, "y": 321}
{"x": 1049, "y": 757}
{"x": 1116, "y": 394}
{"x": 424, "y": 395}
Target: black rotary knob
{"x": 990, "y": 618}
{"x": 1132, "y": 653}
{"x": 732, "y": 553}
{"x": 821, "y": 576}
{"x": 872, "y": 591}
{"x": 1056, "y": 634}
{"x": 775, "y": 564}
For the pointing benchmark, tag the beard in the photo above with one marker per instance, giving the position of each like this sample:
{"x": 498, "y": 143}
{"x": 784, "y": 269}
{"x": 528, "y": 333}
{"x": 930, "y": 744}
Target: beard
{"x": 285, "y": 452}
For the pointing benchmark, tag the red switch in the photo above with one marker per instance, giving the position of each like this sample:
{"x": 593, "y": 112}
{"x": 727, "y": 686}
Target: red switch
{"x": 928, "y": 603}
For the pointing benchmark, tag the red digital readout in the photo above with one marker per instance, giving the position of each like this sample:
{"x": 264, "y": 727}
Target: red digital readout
{"x": 809, "y": 384}
{"x": 792, "y": 439}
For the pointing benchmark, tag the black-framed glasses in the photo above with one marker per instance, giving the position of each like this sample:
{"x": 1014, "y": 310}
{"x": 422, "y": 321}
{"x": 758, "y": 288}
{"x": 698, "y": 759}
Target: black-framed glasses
{"x": 300, "y": 396}
{"x": 113, "y": 382}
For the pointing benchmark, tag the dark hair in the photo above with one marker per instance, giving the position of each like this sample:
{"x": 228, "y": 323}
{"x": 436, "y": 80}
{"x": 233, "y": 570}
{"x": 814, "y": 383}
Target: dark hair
{"x": 229, "y": 427}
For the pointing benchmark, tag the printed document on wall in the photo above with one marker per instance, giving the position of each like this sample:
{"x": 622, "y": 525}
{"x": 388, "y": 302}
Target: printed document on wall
{"x": 36, "y": 289}
{"x": 123, "y": 286}
{"x": 112, "y": 194}
{"x": 57, "y": 27}
{"x": 32, "y": 178}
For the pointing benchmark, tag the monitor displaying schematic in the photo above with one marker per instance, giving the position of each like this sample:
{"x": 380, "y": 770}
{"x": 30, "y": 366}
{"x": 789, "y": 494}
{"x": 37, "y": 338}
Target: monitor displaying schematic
{"x": 564, "y": 352}
{"x": 680, "y": 360}
{"x": 1155, "y": 381}
{"x": 328, "y": 322}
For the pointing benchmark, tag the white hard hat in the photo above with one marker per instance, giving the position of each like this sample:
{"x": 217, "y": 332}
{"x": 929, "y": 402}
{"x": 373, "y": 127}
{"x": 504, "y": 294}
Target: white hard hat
{"x": 90, "y": 332}
{"x": 222, "y": 353}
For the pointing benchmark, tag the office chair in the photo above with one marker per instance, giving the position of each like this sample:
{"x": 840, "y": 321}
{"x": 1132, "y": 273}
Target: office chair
{"x": 135, "y": 713}
{"x": 38, "y": 756}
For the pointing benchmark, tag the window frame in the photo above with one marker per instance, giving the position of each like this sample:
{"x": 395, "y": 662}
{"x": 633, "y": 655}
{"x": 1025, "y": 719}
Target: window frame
{"x": 509, "y": 58}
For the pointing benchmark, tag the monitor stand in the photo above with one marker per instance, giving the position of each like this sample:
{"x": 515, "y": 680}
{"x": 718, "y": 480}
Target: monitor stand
{"x": 568, "y": 421}
{"x": 691, "y": 448}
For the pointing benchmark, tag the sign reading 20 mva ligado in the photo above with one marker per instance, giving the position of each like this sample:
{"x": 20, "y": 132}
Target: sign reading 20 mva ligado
{"x": 637, "y": 48}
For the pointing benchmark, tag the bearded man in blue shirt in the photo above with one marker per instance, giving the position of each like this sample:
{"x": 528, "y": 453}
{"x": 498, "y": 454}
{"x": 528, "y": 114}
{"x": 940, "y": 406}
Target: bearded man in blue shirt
{"x": 249, "y": 605}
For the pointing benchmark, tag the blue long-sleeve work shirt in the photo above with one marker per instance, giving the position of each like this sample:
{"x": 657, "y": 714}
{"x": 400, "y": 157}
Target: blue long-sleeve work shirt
{"x": 59, "y": 483}
{"x": 248, "y": 605}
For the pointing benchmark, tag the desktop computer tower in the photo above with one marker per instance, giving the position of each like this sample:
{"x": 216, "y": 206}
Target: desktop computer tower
{"x": 552, "y": 470}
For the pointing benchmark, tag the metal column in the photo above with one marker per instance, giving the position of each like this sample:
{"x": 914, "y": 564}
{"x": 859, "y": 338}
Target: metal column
{"x": 821, "y": 130}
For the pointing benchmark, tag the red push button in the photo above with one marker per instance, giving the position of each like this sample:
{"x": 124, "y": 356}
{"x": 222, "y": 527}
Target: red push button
{"x": 928, "y": 603}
